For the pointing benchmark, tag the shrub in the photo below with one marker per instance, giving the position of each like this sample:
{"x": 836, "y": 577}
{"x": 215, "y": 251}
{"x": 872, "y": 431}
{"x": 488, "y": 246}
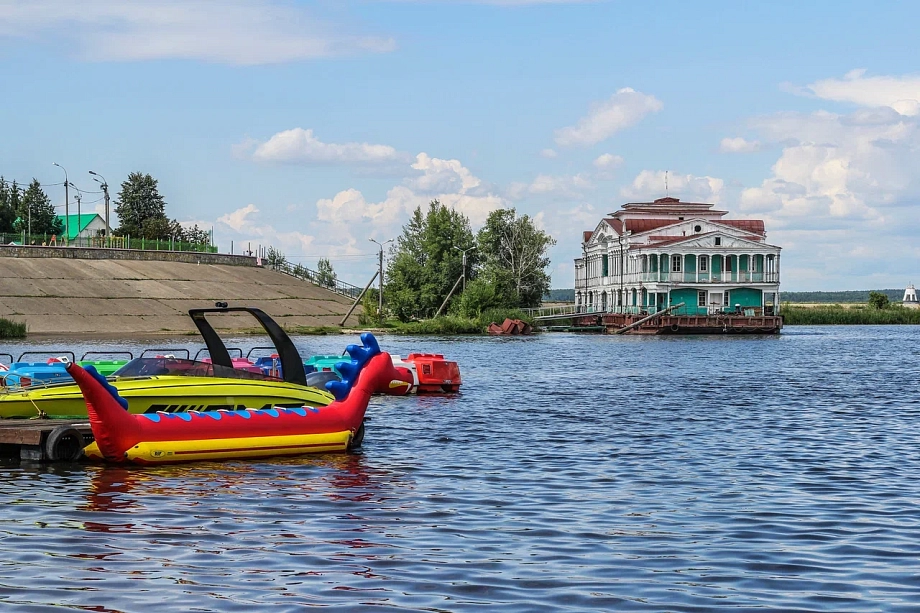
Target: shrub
{"x": 12, "y": 329}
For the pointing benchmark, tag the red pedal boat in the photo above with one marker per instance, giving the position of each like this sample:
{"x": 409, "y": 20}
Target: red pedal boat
{"x": 230, "y": 434}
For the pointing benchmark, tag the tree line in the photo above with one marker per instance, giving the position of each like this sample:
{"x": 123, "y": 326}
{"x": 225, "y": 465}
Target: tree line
{"x": 506, "y": 264}
{"x": 140, "y": 208}
{"x": 27, "y": 210}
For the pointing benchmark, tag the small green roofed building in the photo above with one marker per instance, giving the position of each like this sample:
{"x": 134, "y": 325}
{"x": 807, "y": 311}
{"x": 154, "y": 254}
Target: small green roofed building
{"x": 83, "y": 226}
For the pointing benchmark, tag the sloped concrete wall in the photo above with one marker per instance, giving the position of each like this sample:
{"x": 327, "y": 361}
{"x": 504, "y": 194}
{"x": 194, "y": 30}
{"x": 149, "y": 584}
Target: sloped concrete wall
{"x": 124, "y": 297}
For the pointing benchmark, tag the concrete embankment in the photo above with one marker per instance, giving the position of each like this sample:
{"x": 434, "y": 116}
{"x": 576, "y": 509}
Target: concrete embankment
{"x": 119, "y": 297}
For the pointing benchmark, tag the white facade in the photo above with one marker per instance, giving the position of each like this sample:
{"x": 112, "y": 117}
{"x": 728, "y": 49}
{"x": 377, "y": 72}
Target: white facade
{"x": 910, "y": 298}
{"x": 650, "y": 256}
{"x": 93, "y": 228}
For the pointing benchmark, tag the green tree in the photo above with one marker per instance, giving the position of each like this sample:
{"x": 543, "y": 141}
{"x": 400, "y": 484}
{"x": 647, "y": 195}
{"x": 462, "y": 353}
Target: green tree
{"x": 7, "y": 210}
{"x": 480, "y": 295}
{"x": 878, "y": 300}
{"x": 37, "y": 213}
{"x": 514, "y": 252}
{"x": 325, "y": 275}
{"x": 275, "y": 258}
{"x": 196, "y": 236}
{"x": 425, "y": 262}
{"x": 141, "y": 209}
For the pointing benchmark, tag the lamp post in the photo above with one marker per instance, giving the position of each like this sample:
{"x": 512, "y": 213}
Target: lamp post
{"x": 79, "y": 197}
{"x": 105, "y": 191}
{"x": 66, "y": 204}
{"x": 463, "y": 251}
{"x": 380, "y": 297}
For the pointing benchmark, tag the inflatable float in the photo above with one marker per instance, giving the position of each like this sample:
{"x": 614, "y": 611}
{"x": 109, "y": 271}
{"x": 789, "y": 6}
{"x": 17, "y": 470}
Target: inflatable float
{"x": 163, "y": 437}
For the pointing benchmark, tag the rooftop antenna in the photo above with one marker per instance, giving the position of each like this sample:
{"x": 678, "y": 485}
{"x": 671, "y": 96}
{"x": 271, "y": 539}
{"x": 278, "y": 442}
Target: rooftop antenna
{"x": 666, "y": 192}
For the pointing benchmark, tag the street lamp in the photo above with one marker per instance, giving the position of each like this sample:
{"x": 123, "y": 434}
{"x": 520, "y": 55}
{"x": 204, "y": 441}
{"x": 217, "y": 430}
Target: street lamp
{"x": 105, "y": 191}
{"x": 380, "y": 297}
{"x": 463, "y": 251}
{"x": 66, "y": 204}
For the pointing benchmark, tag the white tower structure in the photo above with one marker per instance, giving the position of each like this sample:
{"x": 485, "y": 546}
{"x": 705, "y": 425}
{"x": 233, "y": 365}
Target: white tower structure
{"x": 910, "y": 298}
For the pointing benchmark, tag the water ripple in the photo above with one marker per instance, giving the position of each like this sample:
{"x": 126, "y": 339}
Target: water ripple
{"x": 574, "y": 473}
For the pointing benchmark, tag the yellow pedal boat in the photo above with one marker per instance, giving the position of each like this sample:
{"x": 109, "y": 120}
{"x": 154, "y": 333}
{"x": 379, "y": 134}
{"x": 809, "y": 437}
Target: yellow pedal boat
{"x": 177, "y": 385}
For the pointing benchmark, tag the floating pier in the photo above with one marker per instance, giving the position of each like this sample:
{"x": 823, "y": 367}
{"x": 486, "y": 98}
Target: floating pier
{"x": 44, "y": 440}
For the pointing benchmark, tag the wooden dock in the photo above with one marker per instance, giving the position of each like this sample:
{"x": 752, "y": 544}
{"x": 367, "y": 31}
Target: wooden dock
{"x": 613, "y": 323}
{"x": 44, "y": 440}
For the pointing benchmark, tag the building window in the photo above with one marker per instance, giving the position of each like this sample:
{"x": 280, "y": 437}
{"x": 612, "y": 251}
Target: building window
{"x": 704, "y": 263}
{"x": 697, "y": 229}
{"x": 725, "y": 301}
{"x": 675, "y": 263}
{"x": 718, "y": 241}
{"x": 605, "y": 265}
{"x": 701, "y": 298}
{"x": 728, "y": 263}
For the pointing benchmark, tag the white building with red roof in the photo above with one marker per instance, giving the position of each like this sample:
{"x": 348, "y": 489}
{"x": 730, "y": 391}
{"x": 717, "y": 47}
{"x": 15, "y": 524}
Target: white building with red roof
{"x": 652, "y": 255}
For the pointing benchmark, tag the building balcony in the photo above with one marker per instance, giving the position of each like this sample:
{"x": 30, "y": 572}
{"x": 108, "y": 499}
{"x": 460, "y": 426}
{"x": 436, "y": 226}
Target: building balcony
{"x": 702, "y": 277}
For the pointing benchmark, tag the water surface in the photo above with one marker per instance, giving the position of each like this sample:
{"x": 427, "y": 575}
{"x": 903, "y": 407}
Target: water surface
{"x": 574, "y": 473}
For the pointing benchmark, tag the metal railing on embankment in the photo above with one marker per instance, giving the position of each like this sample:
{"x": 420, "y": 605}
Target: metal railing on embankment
{"x": 332, "y": 284}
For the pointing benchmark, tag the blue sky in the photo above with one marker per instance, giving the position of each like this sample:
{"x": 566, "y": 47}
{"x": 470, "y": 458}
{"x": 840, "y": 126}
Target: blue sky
{"x": 313, "y": 126}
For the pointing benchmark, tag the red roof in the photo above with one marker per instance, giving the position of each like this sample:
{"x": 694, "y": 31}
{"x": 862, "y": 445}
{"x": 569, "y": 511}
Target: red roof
{"x": 755, "y": 226}
{"x": 588, "y": 234}
{"x": 644, "y": 225}
{"x": 616, "y": 224}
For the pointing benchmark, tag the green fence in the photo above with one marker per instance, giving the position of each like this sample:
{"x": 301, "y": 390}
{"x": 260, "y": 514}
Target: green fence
{"x": 114, "y": 242}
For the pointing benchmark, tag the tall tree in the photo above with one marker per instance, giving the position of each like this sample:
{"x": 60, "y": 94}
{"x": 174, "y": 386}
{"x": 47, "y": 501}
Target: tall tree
{"x": 37, "y": 212}
{"x": 325, "y": 275}
{"x": 7, "y": 212}
{"x": 514, "y": 250}
{"x": 141, "y": 209}
{"x": 426, "y": 262}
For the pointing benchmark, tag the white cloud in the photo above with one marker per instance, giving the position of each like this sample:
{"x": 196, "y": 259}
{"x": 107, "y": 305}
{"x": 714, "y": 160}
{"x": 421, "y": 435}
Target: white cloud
{"x": 246, "y": 228}
{"x": 240, "y": 32}
{"x": 739, "y": 145}
{"x": 900, "y": 93}
{"x": 239, "y": 218}
{"x": 623, "y": 109}
{"x": 549, "y": 153}
{"x": 650, "y": 184}
{"x": 607, "y": 161}
{"x": 301, "y": 146}
{"x": 837, "y": 168}
{"x": 445, "y": 180}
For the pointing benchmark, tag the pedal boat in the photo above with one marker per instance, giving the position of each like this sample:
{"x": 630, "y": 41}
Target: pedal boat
{"x": 176, "y": 385}
{"x": 233, "y": 434}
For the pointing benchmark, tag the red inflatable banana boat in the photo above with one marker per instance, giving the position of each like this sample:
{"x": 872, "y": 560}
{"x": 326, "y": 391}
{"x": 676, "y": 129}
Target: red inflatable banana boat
{"x": 228, "y": 434}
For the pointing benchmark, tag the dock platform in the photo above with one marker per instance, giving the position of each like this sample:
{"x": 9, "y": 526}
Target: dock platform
{"x": 611, "y": 323}
{"x": 44, "y": 440}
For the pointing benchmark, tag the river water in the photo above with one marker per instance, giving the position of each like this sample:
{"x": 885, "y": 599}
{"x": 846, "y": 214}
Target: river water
{"x": 574, "y": 473}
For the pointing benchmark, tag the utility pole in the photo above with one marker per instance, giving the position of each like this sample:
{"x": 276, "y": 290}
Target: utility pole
{"x": 380, "y": 275}
{"x": 463, "y": 251}
{"x": 66, "y": 204}
{"x": 105, "y": 191}
{"x": 79, "y": 216}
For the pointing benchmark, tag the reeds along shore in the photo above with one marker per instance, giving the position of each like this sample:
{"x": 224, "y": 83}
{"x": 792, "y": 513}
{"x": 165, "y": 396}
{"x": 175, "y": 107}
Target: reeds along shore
{"x": 12, "y": 329}
{"x": 835, "y": 314}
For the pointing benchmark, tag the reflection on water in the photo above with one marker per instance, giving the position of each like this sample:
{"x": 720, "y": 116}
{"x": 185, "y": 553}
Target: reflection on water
{"x": 573, "y": 473}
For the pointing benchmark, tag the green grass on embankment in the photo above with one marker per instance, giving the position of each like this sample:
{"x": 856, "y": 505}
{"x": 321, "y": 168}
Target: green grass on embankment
{"x": 12, "y": 329}
{"x": 836, "y": 314}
